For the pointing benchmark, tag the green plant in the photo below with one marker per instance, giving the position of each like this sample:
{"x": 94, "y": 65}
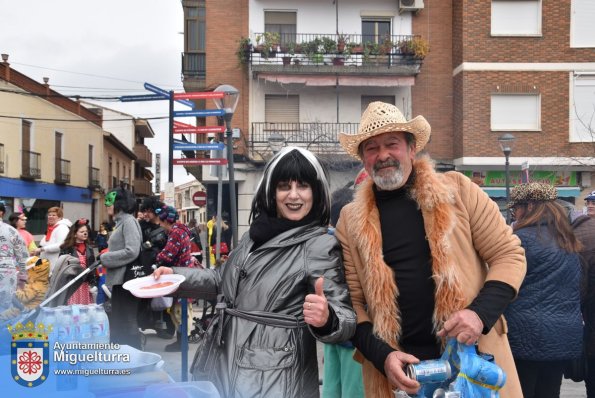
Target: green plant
{"x": 418, "y": 47}
{"x": 268, "y": 42}
{"x": 386, "y": 47}
{"x": 329, "y": 45}
{"x": 244, "y": 48}
{"x": 342, "y": 42}
{"x": 291, "y": 48}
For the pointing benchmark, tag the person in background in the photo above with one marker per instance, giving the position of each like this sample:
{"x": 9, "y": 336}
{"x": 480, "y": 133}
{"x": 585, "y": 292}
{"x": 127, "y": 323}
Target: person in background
{"x": 102, "y": 238}
{"x": 58, "y": 228}
{"x": 282, "y": 287}
{"x": 342, "y": 375}
{"x": 176, "y": 253}
{"x": 427, "y": 256}
{"x": 123, "y": 248}
{"x": 2, "y": 211}
{"x": 590, "y": 204}
{"x": 544, "y": 322}
{"x": 77, "y": 245}
{"x": 19, "y": 222}
{"x": 154, "y": 240}
{"x": 195, "y": 242}
{"x": 584, "y": 230}
{"x": 13, "y": 258}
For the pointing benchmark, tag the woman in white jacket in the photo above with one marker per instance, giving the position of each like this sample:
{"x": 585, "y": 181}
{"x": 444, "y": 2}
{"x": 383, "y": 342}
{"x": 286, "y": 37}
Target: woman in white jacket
{"x": 58, "y": 228}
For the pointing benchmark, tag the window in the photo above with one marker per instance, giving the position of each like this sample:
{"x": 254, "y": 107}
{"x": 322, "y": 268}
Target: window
{"x": 282, "y": 108}
{"x": 1, "y": 158}
{"x": 582, "y": 109}
{"x": 516, "y": 112}
{"x": 195, "y": 29}
{"x": 282, "y": 22}
{"x": 516, "y": 18}
{"x": 375, "y": 29}
{"x": 368, "y": 99}
{"x": 582, "y": 29}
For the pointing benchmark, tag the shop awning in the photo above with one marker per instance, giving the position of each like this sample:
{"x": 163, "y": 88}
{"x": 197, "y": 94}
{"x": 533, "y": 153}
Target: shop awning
{"x": 329, "y": 80}
{"x": 500, "y": 192}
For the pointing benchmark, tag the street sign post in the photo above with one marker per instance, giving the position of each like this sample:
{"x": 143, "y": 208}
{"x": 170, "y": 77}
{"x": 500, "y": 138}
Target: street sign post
{"x": 165, "y": 94}
{"x": 199, "y": 129}
{"x": 190, "y": 146}
{"x": 199, "y": 198}
{"x": 198, "y": 113}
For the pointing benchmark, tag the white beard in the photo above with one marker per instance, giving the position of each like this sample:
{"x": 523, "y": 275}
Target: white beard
{"x": 389, "y": 181}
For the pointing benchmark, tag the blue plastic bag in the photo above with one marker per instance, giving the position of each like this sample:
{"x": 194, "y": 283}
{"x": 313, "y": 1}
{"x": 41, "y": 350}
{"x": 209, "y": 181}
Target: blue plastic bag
{"x": 477, "y": 375}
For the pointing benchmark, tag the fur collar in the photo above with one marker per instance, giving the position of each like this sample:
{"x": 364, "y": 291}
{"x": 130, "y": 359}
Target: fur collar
{"x": 435, "y": 198}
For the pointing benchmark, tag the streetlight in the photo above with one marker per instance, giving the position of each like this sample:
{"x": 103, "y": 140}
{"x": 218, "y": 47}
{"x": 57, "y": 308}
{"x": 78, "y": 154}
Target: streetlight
{"x": 276, "y": 142}
{"x": 229, "y": 103}
{"x": 506, "y": 142}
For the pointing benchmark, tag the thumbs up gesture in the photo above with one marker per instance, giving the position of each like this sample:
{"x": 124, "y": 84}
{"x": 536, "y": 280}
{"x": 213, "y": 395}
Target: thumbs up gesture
{"x": 316, "y": 310}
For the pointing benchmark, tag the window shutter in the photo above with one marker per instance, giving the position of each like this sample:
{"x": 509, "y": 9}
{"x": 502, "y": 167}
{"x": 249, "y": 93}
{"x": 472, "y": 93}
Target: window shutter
{"x": 282, "y": 109}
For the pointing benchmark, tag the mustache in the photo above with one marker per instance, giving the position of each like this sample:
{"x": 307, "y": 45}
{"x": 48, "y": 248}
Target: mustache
{"x": 389, "y": 163}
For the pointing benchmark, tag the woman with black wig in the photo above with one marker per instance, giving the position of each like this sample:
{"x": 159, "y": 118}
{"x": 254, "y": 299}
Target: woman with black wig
{"x": 280, "y": 289}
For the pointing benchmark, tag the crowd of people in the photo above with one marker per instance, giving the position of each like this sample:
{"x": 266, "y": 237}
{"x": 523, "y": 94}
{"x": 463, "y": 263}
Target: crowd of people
{"x": 382, "y": 271}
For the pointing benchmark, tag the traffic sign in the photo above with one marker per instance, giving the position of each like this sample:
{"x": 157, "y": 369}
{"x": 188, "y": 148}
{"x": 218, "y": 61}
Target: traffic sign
{"x": 199, "y": 198}
{"x": 203, "y": 113}
{"x": 199, "y": 162}
{"x": 200, "y": 95}
{"x": 190, "y": 146}
{"x": 143, "y": 97}
{"x": 199, "y": 129}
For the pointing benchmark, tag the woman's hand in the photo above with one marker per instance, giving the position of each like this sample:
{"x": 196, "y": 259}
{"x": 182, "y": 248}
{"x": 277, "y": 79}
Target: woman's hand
{"x": 162, "y": 271}
{"x": 37, "y": 251}
{"x": 316, "y": 310}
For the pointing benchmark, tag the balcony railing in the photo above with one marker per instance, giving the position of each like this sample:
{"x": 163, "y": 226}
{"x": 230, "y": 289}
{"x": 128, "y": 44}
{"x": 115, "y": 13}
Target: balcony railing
{"x": 194, "y": 65}
{"x": 144, "y": 157}
{"x": 142, "y": 187}
{"x": 31, "y": 162}
{"x": 344, "y": 51}
{"x": 94, "y": 181}
{"x": 320, "y": 138}
{"x": 62, "y": 171}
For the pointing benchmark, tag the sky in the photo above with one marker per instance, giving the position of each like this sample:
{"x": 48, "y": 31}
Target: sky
{"x": 106, "y": 48}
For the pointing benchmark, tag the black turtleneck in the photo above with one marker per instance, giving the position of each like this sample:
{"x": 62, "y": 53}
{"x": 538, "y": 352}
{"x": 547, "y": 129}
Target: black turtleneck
{"x": 407, "y": 252}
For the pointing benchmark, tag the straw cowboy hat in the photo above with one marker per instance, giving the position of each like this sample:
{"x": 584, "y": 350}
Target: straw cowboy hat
{"x": 380, "y": 117}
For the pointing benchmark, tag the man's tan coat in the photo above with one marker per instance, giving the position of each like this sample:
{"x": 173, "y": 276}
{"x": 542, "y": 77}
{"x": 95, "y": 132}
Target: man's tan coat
{"x": 470, "y": 244}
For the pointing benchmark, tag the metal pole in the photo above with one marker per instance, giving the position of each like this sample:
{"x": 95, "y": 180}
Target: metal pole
{"x": 507, "y": 175}
{"x": 219, "y": 203}
{"x": 184, "y": 304}
{"x": 232, "y": 181}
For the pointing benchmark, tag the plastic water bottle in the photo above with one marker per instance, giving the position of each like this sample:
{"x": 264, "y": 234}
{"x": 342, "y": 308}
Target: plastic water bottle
{"x": 65, "y": 329}
{"x": 84, "y": 325}
{"x": 99, "y": 325}
{"x": 47, "y": 317}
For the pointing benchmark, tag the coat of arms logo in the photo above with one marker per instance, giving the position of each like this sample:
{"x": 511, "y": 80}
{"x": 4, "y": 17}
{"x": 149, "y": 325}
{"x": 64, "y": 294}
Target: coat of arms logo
{"x": 30, "y": 353}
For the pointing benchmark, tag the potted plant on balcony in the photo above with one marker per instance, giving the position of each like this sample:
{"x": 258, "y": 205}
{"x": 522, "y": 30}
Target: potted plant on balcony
{"x": 244, "y": 49}
{"x": 314, "y": 50}
{"x": 418, "y": 47}
{"x": 290, "y": 52}
{"x": 342, "y": 42}
{"x": 267, "y": 43}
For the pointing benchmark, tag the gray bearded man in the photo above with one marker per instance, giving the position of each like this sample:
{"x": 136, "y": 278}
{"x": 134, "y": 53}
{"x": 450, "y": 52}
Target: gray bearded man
{"x": 426, "y": 255}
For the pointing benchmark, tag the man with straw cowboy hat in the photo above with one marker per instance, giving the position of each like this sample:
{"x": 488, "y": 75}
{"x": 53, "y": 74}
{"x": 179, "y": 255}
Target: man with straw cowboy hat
{"x": 426, "y": 255}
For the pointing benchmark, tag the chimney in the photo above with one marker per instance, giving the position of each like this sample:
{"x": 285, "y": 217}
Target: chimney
{"x": 6, "y": 67}
{"x": 47, "y": 86}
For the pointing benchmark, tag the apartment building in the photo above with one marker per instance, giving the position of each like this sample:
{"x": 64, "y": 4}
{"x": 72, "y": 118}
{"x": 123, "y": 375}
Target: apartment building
{"x": 184, "y": 203}
{"x": 475, "y": 70}
{"x": 50, "y": 151}
{"x": 525, "y": 68}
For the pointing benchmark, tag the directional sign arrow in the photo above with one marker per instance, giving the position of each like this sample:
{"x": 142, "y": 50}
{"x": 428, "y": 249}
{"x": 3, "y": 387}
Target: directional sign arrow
{"x": 161, "y": 91}
{"x": 200, "y": 95}
{"x": 200, "y": 162}
{"x": 198, "y": 147}
{"x": 144, "y": 97}
{"x": 200, "y": 113}
{"x": 199, "y": 129}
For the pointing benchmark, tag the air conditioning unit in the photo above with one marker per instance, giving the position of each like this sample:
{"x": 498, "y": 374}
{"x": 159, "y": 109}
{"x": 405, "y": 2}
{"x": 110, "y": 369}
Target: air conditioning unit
{"x": 410, "y": 5}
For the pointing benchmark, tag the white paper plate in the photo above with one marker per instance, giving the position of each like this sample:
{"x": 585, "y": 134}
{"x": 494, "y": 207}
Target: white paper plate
{"x": 135, "y": 286}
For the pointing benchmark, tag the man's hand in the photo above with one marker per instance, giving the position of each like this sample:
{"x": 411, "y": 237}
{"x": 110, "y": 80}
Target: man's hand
{"x": 394, "y": 367}
{"x": 316, "y": 310}
{"x": 464, "y": 325}
{"x": 162, "y": 271}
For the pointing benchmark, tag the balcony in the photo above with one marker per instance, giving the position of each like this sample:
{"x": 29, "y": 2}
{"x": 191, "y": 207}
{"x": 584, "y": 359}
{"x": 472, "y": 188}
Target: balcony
{"x": 194, "y": 71}
{"x": 31, "y": 165}
{"x": 144, "y": 157}
{"x": 345, "y": 55}
{"x": 320, "y": 138}
{"x": 142, "y": 187}
{"x": 62, "y": 171}
{"x": 94, "y": 180}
